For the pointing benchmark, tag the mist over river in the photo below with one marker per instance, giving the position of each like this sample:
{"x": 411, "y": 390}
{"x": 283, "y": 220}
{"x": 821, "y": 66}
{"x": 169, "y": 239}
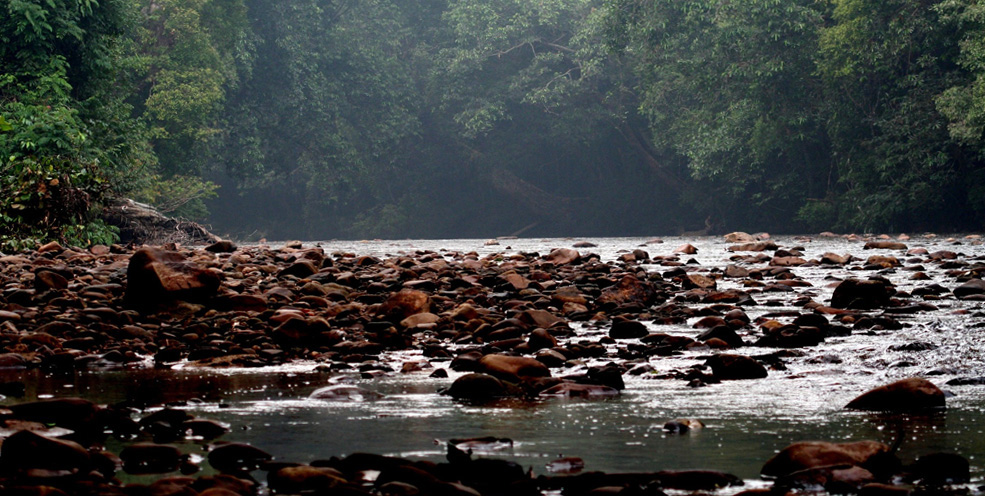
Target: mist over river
{"x": 746, "y": 421}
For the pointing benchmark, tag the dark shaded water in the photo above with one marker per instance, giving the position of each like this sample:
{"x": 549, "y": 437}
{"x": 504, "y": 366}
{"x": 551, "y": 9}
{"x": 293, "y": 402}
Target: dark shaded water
{"x": 746, "y": 421}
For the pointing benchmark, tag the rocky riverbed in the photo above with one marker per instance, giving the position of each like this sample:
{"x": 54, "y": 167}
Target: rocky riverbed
{"x": 491, "y": 326}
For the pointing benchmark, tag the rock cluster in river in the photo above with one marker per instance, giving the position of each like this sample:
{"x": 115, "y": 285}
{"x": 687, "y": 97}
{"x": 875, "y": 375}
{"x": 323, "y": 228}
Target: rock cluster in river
{"x": 503, "y": 320}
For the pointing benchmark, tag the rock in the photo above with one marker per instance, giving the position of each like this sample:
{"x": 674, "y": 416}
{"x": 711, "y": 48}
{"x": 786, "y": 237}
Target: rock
{"x": 754, "y": 246}
{"x": 478, "y": 387}
{"x": 26, "y": 450}
{"x": 203, "y": 428}
{"x": 304, "y": 478}
{"x": 563, "y": 256}
{"x": 422, "y": 318}
{"x": 739, "y": 237}
{"x": 628, "y": 329}
{"x": 539, "y": 318}
{"x": 698, "y": 281}
{"x": 970, "y": 288}
{"x": 860, "y": 295}
{"x": 403, "y": 304}
{"x": 575, "y": 390}
{"x": 629, "y": 290}
{"x": 686, "y": 249}
{"x": 735, "y": 367}
{"x": 148, "y": 458}
{"x": 791, "y": 336}
{"x": 222, "y": 246}
{"x": 72, "y": 413}
{"x": 344, "y": 392}
{"x": 541, "y": 339}
{"x": 884, "y": 245}
{"x": 155, "y": 275}
{"x": 45, "y": 280}
{"x": 683, "y": 426}
{"x": 512, "y": 368}
{"x": 835, "y": 259}
{"x": 237, "y": 457}
{"x": 871, "y": 455}
{"x": 905, "y": 395}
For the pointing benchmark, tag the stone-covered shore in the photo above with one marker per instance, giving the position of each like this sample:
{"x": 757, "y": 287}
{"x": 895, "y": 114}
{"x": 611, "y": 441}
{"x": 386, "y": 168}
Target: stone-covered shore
{"x": 504, "y": 320}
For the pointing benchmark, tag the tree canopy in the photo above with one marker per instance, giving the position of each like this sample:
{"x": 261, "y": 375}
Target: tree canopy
{"x": 435, "y": 118}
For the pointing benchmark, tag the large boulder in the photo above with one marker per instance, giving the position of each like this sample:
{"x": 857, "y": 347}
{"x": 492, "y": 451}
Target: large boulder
{"x": 155, "y": 276}
{"x": 149, "y": 458}
{"x": 727, "y": 367}
{"x": 860, "y": 295}
{"x": 972, "y": 287}
{"x": 871, "y": 455}
{"x": 905, "y": 395}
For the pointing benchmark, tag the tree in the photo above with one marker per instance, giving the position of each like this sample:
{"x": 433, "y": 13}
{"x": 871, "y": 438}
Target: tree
{"x": 730, "y": 87}
{"x": 66, "y": 139}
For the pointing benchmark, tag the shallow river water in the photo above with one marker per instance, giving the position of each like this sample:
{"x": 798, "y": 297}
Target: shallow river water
{"x": 746, "y": 421}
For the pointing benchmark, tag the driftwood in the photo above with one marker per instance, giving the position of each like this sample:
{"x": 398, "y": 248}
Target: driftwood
{"x": 142, "y": 224}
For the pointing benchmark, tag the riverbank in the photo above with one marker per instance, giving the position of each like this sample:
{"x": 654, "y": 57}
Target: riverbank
{"x": 583, "y": 324}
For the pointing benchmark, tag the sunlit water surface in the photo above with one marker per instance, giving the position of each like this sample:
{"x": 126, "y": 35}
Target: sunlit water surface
{"x": 746, "y": 421}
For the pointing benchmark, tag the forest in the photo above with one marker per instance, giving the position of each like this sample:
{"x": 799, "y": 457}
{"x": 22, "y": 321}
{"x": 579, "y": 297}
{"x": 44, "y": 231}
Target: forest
{"x": 352, "y": 119}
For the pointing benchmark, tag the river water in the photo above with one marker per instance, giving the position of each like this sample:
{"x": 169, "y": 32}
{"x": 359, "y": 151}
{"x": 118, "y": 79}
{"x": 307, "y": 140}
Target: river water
{"x": 746, "y": 421}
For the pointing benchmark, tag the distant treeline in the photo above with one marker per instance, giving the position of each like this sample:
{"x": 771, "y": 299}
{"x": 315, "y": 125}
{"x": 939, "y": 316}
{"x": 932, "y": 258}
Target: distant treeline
{"x": 318, "y": 119}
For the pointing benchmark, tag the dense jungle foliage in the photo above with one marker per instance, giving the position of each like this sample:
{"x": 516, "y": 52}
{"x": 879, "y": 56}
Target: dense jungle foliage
{"x": 319, "y": 119}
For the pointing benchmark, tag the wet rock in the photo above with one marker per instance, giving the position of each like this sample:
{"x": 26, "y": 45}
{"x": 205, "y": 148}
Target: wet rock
{"x": 754, "y": 246}
{"x": 683, "y": 426}
{"x": 858, "y": 294}
{"x": 237, "y": 457}
{"x": 563, "y": 256}
{"x": 871, "y": 455}
{"x": 304, "y": 478}
{"x": 905, "y": 395}
{"x": 479, "y": 387}
{"x": 629, "y": 290}
{"x": 403, "y": 304}
{"x": 628, "y": 329}
{"x": 791, "y": 336}
{"x": 203, "y": 428}
{"x": 222, "y": 246}
{"x": 155, "y": 275}
{"x": 72, "y": 413}
{"x": 698, "y": 281}
{"x": 686, "y": 249}
{"x": 736, "y": 367}
{"x": 512, "y": 368}
{"x": 27, "y": 450}
{"x": 540, "y": 339}
{"x": 884, "y": 245}
{"x": 972, "y": 287}
{"x": 575, "y": 390}
{"x": 344, "y": 392}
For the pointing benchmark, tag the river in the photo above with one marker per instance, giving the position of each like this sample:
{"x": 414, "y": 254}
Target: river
{"x": 746, "y": 421}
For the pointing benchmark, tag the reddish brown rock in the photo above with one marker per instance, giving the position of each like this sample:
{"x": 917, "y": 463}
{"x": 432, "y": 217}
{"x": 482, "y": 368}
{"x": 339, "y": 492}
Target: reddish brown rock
{"x": 155, "y": 275}
{"x": 563, "y": 256}
{"x": 512, "y": 368}
{"x": 735, "y": 367}
{"x": 405, "y": 303}
{"x": 905, "y": 395}
{"x": 628, "y": 290}
{"x": 871, "y": 455}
